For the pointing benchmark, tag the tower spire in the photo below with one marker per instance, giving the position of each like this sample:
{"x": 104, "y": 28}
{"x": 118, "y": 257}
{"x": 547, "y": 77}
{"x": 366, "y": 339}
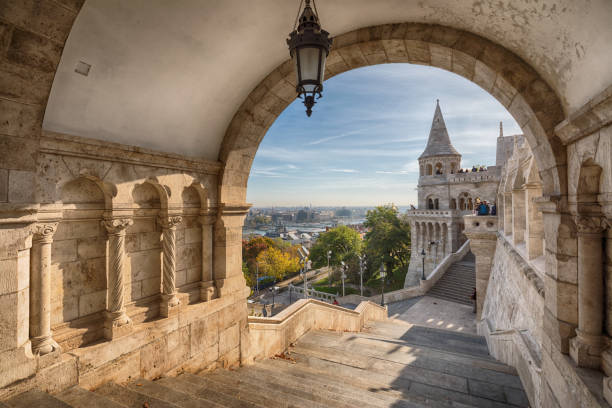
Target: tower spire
{"x": 439, "y": 143}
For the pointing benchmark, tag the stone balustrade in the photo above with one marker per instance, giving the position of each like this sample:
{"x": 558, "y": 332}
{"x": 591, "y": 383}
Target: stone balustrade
{"x": 314, "y": 294}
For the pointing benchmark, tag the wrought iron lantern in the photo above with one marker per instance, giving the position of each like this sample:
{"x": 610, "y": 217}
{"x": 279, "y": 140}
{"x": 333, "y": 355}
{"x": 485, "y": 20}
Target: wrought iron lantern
{"x": 309, "y": 47}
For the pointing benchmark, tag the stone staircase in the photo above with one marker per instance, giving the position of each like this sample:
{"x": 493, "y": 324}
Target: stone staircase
{"x": 391, "y": 364}
{"x": 458, "y": 283}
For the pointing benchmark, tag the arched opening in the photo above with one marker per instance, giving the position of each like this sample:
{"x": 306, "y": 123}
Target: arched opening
{"x": 437, "y": 204}
{"x": 470, "y": 205}
{"x": 453, "y": 168}
{"x": 143, "y": 250}
{"x": 439, "y": 168}
{"x": 429, "y": 170}
{"x": 267, "y": 101}
{"x": 430, "y": 204}
{"x": 78, "y": 264}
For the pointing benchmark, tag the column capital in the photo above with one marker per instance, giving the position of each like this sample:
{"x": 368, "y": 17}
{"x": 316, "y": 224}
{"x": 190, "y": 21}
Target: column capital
{"x": 44, "y": 231}
{"x": 116, "y": 226}
{"x": 590, "y": 225}
{"x": 169, "y": 221}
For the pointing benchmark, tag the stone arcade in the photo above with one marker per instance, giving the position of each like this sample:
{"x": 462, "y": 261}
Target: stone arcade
{"x": 127, "y": 134}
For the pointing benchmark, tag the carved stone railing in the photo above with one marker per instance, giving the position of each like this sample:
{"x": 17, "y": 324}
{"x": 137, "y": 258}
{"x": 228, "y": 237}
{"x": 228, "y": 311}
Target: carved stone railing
{"x": 313, "y": 294}
{"x": 273, "y": 335}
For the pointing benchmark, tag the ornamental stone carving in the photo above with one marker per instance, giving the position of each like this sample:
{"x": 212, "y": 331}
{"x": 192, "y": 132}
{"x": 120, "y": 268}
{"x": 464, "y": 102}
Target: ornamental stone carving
{"x": 590, "y": 225}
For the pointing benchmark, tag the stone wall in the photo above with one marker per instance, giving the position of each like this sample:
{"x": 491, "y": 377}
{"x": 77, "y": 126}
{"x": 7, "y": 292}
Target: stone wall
{"x": 512, "y": 316}
{"x": 117, "y": 270}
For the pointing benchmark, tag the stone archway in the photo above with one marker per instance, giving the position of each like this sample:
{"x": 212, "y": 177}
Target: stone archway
{"x": 518, "y": 87}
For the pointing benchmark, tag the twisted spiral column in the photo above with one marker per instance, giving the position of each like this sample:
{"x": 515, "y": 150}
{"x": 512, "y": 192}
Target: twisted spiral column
{"x": 115, "y": 311}
{"x": 40, "y": 289}
{"x": 169, "y": 298}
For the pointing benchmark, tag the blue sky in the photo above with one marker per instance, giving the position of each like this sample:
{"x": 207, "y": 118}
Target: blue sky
{"x": 361, "y": 144}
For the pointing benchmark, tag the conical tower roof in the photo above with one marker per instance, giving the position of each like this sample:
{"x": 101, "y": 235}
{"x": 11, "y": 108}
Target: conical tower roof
{"x": 439, "y": 143}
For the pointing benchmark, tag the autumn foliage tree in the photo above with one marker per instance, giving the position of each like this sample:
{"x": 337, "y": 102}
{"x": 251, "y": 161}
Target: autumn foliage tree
{"x": 276, "y": 263}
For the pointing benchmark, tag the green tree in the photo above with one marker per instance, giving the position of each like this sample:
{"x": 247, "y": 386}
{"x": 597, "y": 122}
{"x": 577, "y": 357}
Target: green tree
{"x": 387, "y": 240}
{"x": 344, "y": 242}
{"x": 274, "y": 262}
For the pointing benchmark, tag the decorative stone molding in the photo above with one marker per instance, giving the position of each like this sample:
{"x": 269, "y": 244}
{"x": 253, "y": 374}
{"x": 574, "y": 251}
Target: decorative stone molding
{"x": 43, "y": 232}
{"x": 117, "y": 322}
{"x": 594, "y": 115}
{"x": 208, "y": 291}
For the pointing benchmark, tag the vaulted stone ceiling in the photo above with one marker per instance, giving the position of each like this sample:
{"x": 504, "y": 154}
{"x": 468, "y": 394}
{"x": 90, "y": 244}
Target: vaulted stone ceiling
{"x": 170, "y": 75}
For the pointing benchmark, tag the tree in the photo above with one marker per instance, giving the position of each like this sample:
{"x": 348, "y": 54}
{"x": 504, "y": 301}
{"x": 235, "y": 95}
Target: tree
{"x": 344, "y": 242}
{"x": 252, "y": 248}
{"x": 388, "y": 239}
{"x": 274, "y": 262}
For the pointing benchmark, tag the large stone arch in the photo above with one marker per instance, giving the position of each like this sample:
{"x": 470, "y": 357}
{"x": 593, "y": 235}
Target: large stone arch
{"x": 516, "y": 85}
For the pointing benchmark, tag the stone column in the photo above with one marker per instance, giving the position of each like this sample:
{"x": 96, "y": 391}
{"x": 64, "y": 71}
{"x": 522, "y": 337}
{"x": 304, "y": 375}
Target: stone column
{"x": 534, "y": 229}
{"x": 207, "y": 284}
{"x": 518, "y": 216}
{"x": 482, "y": 233}
{"x": 606, "y": 357}
{"x": 228, "y": 249}
{"x": 170, "y": 301}
{"x": 40, "y": 289}
{"x": 507, "y": 213}
{"x": 116, "y": 323}
{"x": 586, "y": 347}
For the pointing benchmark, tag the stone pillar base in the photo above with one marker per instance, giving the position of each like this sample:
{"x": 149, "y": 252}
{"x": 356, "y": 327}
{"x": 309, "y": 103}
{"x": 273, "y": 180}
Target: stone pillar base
{"x": 44, "y": 345}
{"x": 226, "y": 287}
{"x": 170, "y": 305}
{"x": 586, "y": 350}
{"x": 116, "y": 325}
{"x": 207, "y": 291}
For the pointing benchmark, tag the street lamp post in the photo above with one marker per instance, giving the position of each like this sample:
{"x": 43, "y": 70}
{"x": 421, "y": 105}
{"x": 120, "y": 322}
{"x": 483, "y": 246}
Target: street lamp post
{"x": 343, "y": 276}
{"x": 362, "y": 263}
{"x": 383, "y": 273}
{"x": 328, "y": 272}
{"x": 423, "y": 257}
{"x": 257, "y": 276}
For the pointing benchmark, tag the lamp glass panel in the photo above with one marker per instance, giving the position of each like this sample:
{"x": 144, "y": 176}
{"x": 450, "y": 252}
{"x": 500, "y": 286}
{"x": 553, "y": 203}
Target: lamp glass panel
{"x": 309, "y": 66}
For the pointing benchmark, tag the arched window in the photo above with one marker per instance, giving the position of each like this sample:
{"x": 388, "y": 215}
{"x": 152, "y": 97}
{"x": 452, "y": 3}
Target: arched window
{"x": 462, "y": 204}
{"x": 429, "y": 170}
{"x": 430, "y": 204}
{"x": 436, "y": 204}
{"x": 470, "y": 206}
{"x": 438, "y": 168}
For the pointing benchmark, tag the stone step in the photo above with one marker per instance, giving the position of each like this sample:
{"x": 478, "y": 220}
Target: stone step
{"x": 179, "y": 384}
{"x": 212, "y": 392}
{"x": 468, "y": 367}
{"x": 453, "y": 291}
{"x": 230, "y": 383}
{"x": 130, "y": 398}
{"x": 355, "y": 386}
{"x": 449, "y": 341}
{"x": 452, "y": 284}
{"x": 35, "y": 398}
{"x": 169, "y": 394}
{"x": 455, "y": 299}
{"x": 307, "y": 395}
{"x": 401, "y": 383}
{"x": 330, "y": 394}
{"x": 79, "y": 397}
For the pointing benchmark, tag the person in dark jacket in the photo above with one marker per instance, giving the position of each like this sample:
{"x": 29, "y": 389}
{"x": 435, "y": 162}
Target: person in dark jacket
{"x": 493, "y": 209}
{"x": 483, "y": 209}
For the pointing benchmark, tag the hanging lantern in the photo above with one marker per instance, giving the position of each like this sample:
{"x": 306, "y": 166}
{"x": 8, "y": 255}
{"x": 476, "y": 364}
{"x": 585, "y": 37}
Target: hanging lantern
{"x": 309, "y": 46}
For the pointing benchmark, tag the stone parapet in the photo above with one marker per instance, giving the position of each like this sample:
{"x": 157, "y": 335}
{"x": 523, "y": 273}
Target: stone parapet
{"x": 482, "y": 233}
{"x": 273, "y": 335}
